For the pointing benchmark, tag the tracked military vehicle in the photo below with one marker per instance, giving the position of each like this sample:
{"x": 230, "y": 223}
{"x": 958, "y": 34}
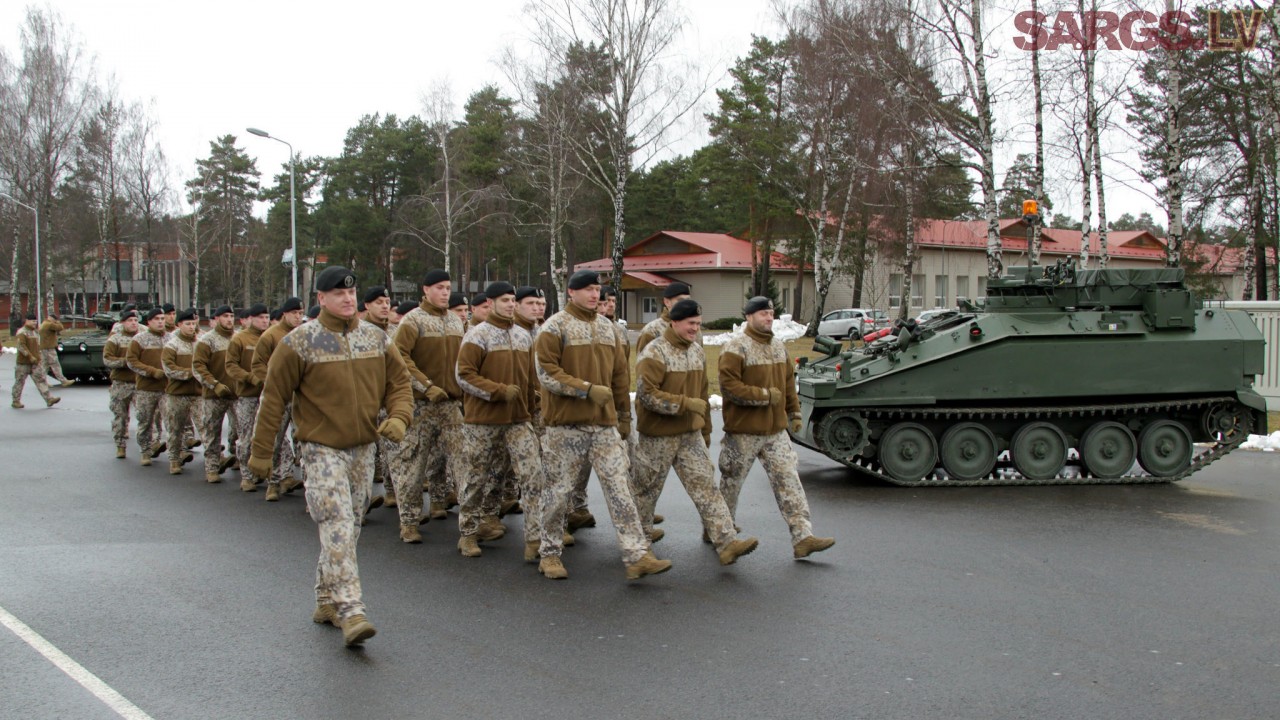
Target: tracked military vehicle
{"x": 1060, "y": 376}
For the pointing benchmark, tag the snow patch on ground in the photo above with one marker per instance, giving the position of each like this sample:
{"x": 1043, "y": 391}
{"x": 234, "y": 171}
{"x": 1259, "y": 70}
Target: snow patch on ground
{"x": 784, "y": 329}
{"x": 1265, "y": 443}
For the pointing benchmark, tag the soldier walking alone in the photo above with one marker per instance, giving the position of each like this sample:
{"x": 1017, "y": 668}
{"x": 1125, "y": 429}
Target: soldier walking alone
{"x": 49, "y": 331}
{"x": 30, "y": 366}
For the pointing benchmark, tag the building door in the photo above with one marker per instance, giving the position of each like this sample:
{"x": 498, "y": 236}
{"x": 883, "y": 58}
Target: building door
{"x": 650, "y": 307}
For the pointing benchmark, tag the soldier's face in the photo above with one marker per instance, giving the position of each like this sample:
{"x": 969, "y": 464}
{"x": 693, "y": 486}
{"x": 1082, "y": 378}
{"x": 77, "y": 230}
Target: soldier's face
{"x": 226, "y": 320}
{"x": 504, "y": 305}
{"x": 339, "y": 301}
{"x": 527, "y": 309}
{"x": 188, "y": 327}
{"x": 260, "y": 322}
{"x": 761, "y": 321}
{"x": 438, "y": 295}
{"x": 379, "y": 309}
{"x": 130, "y": 325}
{"x": 293, "y": 318}
{"x": 607, "y": 305}
{"x": 397, "y": 317}
{"x": 688, "y": 328}
{"x": 460, "y": 311}
{"x": 586, "y": 298}
{"x": 542, "y": 309}
{"x": 481, "y": 312}
{"x": 29, "y": 324}
{"x": 170, "y": 318}
{"x": 156, "y": 323}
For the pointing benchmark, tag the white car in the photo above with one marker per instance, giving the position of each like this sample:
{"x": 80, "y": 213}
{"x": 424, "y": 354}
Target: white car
{"x": 852, "y": 322}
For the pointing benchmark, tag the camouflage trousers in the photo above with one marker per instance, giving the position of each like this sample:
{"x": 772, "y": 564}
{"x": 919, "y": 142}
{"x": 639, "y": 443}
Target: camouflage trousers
{"x": 216, "y": 411}
{"x": 246, "y": 417}
{"x": 513, "y": 445}
{"x": 428, "y": 454}
{"x": 282, "y": 455}
{"x": 36, "y": 373}
{"x": 181, "y": 409}
{"x": 338, "y": 484}
{"x": 121, "y": 394}
{"x": 687, "y": 452}
{"x": 382, "y": 461}
{"x": 146, "y": 404}
{"x": 738, "y": 452}
{"x": 53, "y": 366}
{"x": 565, "y": 449}
{"x": 579, "y": 499}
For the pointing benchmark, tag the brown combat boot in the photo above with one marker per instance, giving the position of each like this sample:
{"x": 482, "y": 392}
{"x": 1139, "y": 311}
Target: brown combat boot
{"x": 579, "y": 519}
{"x": 355, "y": 630}
{"x": 52, "y": 401}
{"x": 17, "y": 406}
{"x": 212, "y": 478}
{"x": 409, "y": 534}
{"x": 146, "y": 460}
{"x": 290, "y": 484}
{"x": 657, "y": 519}
{"x": 120, "y": 453}
{"x": 531, "y": 551}
{"x": 390, "y": 500}
{"x": 248, "y": 485}
{"x": 568, "y": 540}
{"x": 326, "y": 613}
{"x": 451, "y": 500}
{"x": 552, "y": 569}
{"x": 510, "y": 507}
{"x": 438, "y": 511}
{"x": 811, "y": 545}
{"x": 175, "y": 467}
{"x": 647, "y": 565}
{"x": 736, "y": 549}
{"x": 375, "y": 502}
{"x": 491, "y": 529}
{"x": 469, "y": 546}
{"x": 225, "y": 463}
{"x": 273, "y": 492}
{"x": 656, "y": 534}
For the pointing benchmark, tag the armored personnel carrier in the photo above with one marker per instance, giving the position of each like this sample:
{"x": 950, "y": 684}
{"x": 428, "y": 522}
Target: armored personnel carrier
{"x": 1061, "y": 376}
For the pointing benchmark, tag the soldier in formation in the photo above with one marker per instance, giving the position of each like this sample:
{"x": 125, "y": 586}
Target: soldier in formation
{"x": 209, "y": 364}
{"x": 123, "y": 380}
{"x": 29, "y": 365}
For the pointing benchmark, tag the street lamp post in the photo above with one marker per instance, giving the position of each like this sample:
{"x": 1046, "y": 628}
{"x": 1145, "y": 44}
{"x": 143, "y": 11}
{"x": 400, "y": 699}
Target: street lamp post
{"x": 39, "y": 294}
{"x": 486, "y": 271}
{"x": 293, "y": 214}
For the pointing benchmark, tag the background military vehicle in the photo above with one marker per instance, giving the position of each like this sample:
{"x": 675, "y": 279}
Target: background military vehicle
{"x": 1061, "y": 376}
{"x": 80, "y": 355}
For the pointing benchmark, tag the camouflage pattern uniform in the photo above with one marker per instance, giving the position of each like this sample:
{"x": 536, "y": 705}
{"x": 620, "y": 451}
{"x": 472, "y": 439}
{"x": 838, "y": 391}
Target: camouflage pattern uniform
{"x": 48, "y": 331}
{"x": 284, "y": 457}
{"x": 182, "y": 398}
{"x": 239, "y": 367}
{"x": 210, "y": 369}
{"x": 29, "y": 366}
{"x": 668, "y": 371}
{"x": 145, "y": 349}
{"x": 579, "y": 498}
{"x": 571, "y": 442}
{"x": 750, "y": 364}
{"x": 123, "y": 384}
{"x": 338, "y": 486}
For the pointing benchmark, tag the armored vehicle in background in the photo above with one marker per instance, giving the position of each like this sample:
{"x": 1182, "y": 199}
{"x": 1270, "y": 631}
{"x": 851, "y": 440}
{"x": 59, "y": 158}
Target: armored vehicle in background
{"x": 1061, "y": 376}
{"x": 80, "y": 355}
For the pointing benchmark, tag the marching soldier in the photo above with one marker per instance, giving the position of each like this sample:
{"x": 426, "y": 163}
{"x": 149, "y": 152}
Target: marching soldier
{"x": 338, "y": 372}
{"x": 586, "y": 404}
{"x": 290, "y": 318}
{"x": 674, "y": 293}
{"x": 123, "y": 380}
{"x": 182, "y": 392}
{"x": 218, "y": 402}
{"x": 49, "y": 330}
{"x": 143, "y": 358}
{"x": 458, "y": 305}
{"x": 377, "y": 305}
{"x": 758, "y": 382}
{"x": 428, "y": 340}
{"x": 29, "y": 365}
{"x": 398, "y": 314}
{"x": 495, "y": 371}
{"x": 239, "y": 366}
{"x": 673, "y": 418}
{"x": 480, "y": 306}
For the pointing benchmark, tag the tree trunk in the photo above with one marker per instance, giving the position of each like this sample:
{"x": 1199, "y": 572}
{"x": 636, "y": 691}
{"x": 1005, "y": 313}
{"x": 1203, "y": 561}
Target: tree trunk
{"x": 909, "y": 259}
{"x": 1103, "y": 254}
{"x": 1258, "y": 235}
{"x": 986, "y": 131}
{"x": 1033, "y": 252}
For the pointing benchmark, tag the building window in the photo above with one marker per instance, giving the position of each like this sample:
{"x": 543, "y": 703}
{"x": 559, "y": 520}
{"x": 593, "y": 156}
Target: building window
{"x": 650, "y": 306}
{"x": 895, "y": 290}
{"x": 962, "y": 288}
{"x": 939, "y": 291}
{"x": 917, "y": 291}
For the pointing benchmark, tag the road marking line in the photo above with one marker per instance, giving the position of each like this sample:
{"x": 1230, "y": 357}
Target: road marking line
{"x": 75, "y": 670}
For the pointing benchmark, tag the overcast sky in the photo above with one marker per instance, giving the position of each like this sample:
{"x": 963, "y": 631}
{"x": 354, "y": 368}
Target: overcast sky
{"x": 308, "y": 72}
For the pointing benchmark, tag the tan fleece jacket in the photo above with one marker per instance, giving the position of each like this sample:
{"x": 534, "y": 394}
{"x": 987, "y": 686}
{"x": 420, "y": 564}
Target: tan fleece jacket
{"x": 750, "y": 364}
{"x": 576, "y": 349}
{"x": 239, "y": 365}
{"x": 494, "y": 355}
{"x": 428, "y": 339}
{"x": 669, "y": 372}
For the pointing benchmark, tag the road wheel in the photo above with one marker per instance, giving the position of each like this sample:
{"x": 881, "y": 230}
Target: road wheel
{"x": 1108, "y": 450}
{"x": 968, "y": 451}
{"x": 1039, "y": 450}
{"x": 908, "y": 452}
{"x": 1164, "y": 448}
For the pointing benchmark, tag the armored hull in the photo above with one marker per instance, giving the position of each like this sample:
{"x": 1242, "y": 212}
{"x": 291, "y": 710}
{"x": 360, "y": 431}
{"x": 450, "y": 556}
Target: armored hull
{"x": 1059, "y": 377}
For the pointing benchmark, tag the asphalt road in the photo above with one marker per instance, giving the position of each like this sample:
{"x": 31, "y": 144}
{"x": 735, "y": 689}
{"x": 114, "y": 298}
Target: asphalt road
{"x": 194, "y": 601}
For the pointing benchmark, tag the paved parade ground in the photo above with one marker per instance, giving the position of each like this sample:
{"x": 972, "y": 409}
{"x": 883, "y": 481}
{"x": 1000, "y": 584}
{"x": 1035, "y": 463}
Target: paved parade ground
{"x": 188, "y": 600}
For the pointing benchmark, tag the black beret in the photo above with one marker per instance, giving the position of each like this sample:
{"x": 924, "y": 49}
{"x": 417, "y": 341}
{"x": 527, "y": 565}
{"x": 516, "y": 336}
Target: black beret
{"x": 256, "y": 309}
{"x": 291, "y": 305}
{"x": 756, "y": 304}
{"x": 334, "y": 277}
{"x": 407, "y": 306}
{"x": 455, "y": 299}
{"x": 31, "y": 316}
{"x": 168, "y": 308}
{"x": 128, "y": 314}
{"x": 152, "y": 314}
{"x": 375, "y": 292}
{"x": 221, "y": 310}
{"x": 313, "y": 312}
{"x": 360, "y": 307}
{"x": 498, "y": 289}
{"x": 527, "y": 291}
{"x": 130, "y": 306}
{"x": 583, "y": 278}
{"x": 188, "y": 314}
{"x": 276, "y": 313}
{"x": 435, "y": 276}
{"x": 685, "y": 309}
{"x": 242, "y": 313}
{"x": 607, "y": 290}
{"x": 675, "y": 289}
{"x": 479, "y": 299}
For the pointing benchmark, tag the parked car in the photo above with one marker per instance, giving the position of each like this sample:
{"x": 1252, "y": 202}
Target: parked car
{"x": 852, "y": 322}
{"x": 931, "y": 314}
